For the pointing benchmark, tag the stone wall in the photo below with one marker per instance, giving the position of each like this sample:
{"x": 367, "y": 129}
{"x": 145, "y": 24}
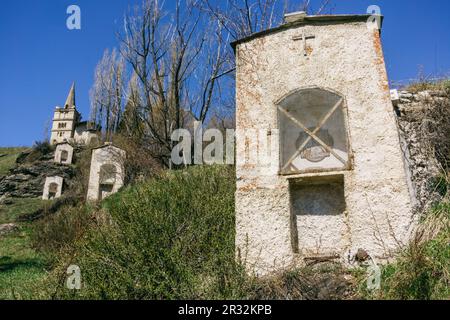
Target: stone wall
{"x": 414, "y": 116}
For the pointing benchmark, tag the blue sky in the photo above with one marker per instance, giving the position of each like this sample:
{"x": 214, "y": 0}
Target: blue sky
{"x": 40, "y": 57}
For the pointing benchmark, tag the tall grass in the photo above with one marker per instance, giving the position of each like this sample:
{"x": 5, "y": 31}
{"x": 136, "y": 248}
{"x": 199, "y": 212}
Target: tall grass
{"x": 59, "y": 231}
{"x": 423, "y": 272}
{"x": 21, "y": 267}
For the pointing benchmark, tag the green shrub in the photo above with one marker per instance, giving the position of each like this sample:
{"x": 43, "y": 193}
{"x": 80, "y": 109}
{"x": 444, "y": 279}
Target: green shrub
{"x": 42, "y": 147}
{"x": 446, "y": 85}
{"x": 169, "y": 238}
{"x": 59, "y": 231}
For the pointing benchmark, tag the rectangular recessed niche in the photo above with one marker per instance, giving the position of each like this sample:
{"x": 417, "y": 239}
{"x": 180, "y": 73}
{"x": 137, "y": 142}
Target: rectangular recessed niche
{"x": 318, "y": 215}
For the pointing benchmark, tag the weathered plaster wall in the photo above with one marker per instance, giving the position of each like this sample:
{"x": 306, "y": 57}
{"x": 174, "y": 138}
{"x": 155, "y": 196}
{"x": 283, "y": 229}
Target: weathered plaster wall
{"x": 58, "y": 152}
{"x": 346, "y": 58}
{"x": 102, "y": 156}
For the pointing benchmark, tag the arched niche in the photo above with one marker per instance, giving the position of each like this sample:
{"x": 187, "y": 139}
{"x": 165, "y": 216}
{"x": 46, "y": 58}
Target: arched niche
{"x": 53, "y": 190}
{"x": 64, "y": 156}
{"x": 313, "y": 132}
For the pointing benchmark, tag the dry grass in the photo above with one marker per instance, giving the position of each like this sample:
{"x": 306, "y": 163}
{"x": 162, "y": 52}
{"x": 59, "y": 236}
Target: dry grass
{"x": 423, "y": 85}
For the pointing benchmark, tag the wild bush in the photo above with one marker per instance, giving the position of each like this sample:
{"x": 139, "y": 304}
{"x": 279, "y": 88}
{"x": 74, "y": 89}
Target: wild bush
{"x": 59, "y": 231}
{"x": 169, "y": 238}
{"x": 437, "y": 129}
{"x": 42, "y": 147}
{"x": 139, "y": 163}
{"x": 79, "y": 184}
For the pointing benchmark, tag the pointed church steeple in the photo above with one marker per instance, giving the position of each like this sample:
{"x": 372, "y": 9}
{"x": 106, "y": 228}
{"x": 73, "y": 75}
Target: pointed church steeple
{"x": 70, "y": 102}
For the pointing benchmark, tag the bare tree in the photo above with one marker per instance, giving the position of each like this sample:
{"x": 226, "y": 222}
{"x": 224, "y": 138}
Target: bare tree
{"x": 107, "y": 93}
{"x": 177, "y": 67}
{"x": 307, "y": 7}
{"x": 131, "y": 125}
{"x": 241, "y": 18}
{"x": 182, "y": 67}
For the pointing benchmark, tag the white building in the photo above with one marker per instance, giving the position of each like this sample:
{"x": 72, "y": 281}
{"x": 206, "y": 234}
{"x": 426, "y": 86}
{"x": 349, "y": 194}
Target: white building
{"x": 107, "y": 172}
{"x": 64, "y": 153}
{"x": 52, "y": 188}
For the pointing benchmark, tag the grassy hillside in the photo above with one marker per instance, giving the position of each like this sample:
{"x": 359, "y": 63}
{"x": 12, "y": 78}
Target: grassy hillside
{"x": 20, "y": 265}
{"x": 172, "y": 237}
{"x": 8, "y": 158}
{"x": 428, "y": 85}
{"x": 169, "y": 238}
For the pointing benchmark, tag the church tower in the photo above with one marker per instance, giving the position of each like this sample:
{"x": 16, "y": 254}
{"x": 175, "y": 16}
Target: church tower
{"x": 65, "y": 120}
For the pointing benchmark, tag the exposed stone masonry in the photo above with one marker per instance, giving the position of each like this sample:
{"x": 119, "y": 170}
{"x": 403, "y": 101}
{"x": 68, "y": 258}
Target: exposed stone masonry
{"x": 412, "y": 110}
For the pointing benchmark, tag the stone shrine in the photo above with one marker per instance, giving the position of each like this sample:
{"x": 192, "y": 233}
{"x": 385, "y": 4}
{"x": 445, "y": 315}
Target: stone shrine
{"x": 107, "y": 172}
{"x": 313, "y": 96}
{"x": 52, "y": 188}
{"x": 64, "y": 153}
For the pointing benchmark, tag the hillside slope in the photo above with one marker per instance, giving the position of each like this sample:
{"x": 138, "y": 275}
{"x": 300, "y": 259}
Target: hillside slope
{"x": 25, "y": 171}
{"x": 171, "y": 237}
{"x": 8, "y": 158}
{"x": 20, "y": 265}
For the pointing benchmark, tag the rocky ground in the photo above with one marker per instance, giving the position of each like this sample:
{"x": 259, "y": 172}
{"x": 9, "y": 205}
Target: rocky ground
{"x": 27, "y": 178}
{"x": 321, "y": 281}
